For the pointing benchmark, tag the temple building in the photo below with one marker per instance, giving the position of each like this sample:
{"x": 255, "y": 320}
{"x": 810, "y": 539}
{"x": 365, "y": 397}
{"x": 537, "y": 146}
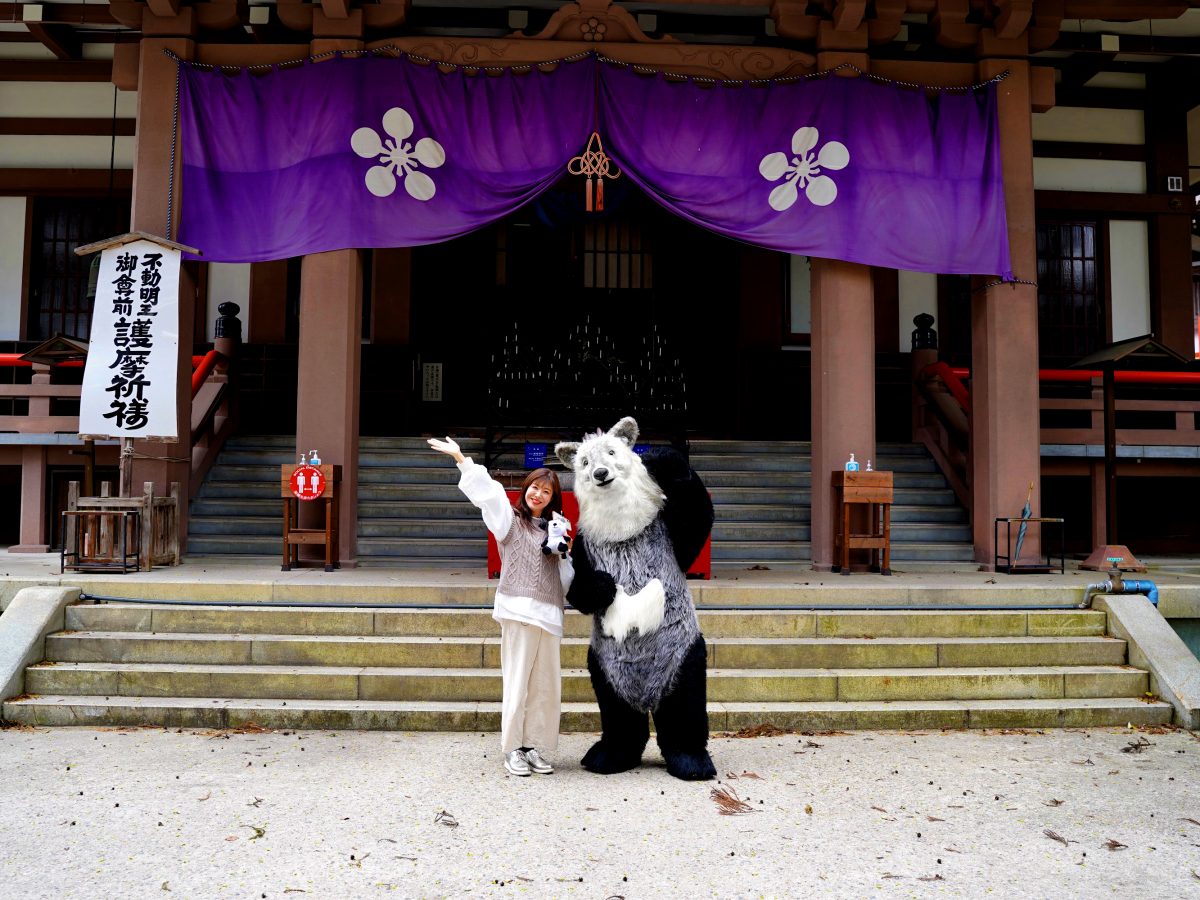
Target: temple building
{"x": 997, "y": 189}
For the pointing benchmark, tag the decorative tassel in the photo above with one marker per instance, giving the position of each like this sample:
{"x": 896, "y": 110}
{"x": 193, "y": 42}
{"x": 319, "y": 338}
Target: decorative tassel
{"x": 593, "y": 163}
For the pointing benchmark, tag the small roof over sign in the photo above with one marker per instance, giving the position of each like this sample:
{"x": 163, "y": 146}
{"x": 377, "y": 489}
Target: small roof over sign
{"x": 1143, "y": 353}
{"x": 129, "y": 238}
{"x": 57, "y": 349}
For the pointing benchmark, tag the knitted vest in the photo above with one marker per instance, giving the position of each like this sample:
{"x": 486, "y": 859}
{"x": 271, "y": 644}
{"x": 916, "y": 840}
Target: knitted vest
{"x": 527, "y": 572}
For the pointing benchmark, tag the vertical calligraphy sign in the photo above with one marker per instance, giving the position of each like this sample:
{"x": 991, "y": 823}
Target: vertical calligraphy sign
{"x": 129, "y": 380}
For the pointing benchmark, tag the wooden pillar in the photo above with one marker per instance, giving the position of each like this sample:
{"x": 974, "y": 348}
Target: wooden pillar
{"x": 1005, "y": 431}
{"x": 843, "y": 386}
{"x": 152, "y": 184}
{"x": 33, "y": 501}
{"x": 1171, "y": 314}
{"x": 843, "y": 341}
{"x": 327, "y": 385}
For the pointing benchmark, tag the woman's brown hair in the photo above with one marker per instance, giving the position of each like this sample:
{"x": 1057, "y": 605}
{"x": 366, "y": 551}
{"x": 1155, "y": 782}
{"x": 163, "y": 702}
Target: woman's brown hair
{"x": 555, "y": 504}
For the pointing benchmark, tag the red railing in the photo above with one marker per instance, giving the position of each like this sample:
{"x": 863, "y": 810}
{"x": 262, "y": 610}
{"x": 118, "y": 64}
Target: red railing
{"x": 1071, "y": 375}
{"x": 14, "y": 361}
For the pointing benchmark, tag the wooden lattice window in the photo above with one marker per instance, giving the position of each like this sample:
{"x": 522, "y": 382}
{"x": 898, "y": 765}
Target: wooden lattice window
{"x": 616, "y": 255}
{"x": 1071, "y": 312}
{"x": 59, "y": 302}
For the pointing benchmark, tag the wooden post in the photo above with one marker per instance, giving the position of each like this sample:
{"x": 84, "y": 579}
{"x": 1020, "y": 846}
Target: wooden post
{"x": 1110, "y": 455}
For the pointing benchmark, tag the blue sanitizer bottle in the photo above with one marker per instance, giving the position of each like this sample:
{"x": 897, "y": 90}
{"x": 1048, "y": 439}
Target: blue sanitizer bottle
{"x": 851, "y": 464}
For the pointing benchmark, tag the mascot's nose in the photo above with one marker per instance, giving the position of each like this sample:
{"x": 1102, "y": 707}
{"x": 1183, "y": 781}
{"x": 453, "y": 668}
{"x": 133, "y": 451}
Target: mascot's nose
{"x": 600, "y": 475}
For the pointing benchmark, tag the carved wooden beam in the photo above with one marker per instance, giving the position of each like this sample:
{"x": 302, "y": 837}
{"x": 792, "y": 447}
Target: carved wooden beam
{"x": 1125, "y": 10}
{"x": 386, "y": 13}
{"x": 295, "y": 14}
{"x": 58, "y": 39}
{"x": 165, "y": 8}
{"x": 336, "y": 9}
{"x": 848, "y": 14}
{"x": 220, "y": 15}
{"x": 1012, "y": 17}
{"x": 594, "y": 21}
{"x": 1047, "y": 21}
{"x": 886, "y": 25}
{"x": 950, "y": 25}
{"x": 793, "y": 22}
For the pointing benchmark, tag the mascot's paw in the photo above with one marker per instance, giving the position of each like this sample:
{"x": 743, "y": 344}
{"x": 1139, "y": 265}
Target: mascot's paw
{"x": 602, "y": 760}
{"x": 643, "y": 611}
{"x": 690, "y": 766}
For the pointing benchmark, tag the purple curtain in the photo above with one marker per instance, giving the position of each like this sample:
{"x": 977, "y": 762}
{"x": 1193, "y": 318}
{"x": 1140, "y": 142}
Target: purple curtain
{"x": 382, "y": 152}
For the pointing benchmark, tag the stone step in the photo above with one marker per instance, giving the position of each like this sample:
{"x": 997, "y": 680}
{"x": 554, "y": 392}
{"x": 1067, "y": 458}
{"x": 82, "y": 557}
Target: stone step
{"x": 709, "y": 463}
{"x": 184, "y": 712}
{"x": 485, "y": 684}
{"x": 464, "y": 529}
{"x": 470, "y": 652}
{"x": 869, "y": 625}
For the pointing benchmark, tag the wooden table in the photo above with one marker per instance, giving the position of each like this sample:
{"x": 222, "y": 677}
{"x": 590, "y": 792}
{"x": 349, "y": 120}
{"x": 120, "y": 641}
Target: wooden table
{"x": 294, "y": 536}
{"x": 872, "y": 490}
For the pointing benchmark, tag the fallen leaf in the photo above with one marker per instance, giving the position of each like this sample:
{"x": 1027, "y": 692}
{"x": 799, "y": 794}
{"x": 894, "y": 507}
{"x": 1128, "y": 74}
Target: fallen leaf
{"x": 295, "y": 891}
{"x": 1083, "y": 762}
{"x": 890, "y": 875}
{"x": 808, "y": 809}
{"x": 256, "y": 802}
{"x": 258, "y": 832}
{"x": 1052, "y": 802}
{"x": 166, "y": 885}
{"x": 729, "y": 802}
{"x": 879, "y": 809}
{"x": 1115, "y": 845}
{"x": 232, "y": 837}
{"x": 445, "y": 818}
{"x": 752, "y": 775}
{"x": 205, "y": 797}
{"x": 934, "y": 819}
{"x": 1137, "y": 746}
{"x": 931, "y": 878}
{"x": 1055, "y": 836}
{"x": 1193, "y": 821}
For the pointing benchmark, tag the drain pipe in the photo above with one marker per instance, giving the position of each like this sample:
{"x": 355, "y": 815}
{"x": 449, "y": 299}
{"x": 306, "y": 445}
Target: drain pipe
{"x": 1115, "y": 585}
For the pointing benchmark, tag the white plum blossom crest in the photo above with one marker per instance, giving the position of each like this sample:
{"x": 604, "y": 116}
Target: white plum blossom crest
{"x": 803, "y": 170}
{"x": 397, "y": 157}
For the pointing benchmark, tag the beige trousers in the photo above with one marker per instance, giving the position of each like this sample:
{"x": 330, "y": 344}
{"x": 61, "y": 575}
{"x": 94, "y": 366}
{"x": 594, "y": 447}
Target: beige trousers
{"x": 530, "y": 665}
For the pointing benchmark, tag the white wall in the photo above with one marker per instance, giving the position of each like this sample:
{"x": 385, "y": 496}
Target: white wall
{"x": 1098, "y": 175}
{"x": 76, "y": 151}
{"x": 227, "y": 281}
{"x": 68, "y": 100}
{"x": 1090, "y": 126}
{"x": 918, "y": 294}
{"x": 12, "y": 265}
{"x": 1129, "y": 279}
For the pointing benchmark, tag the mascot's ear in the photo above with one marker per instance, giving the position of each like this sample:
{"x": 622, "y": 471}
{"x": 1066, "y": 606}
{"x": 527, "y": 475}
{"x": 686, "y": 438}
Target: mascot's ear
{"x": 566, "y": 454}
{"x": 626, "y": 430}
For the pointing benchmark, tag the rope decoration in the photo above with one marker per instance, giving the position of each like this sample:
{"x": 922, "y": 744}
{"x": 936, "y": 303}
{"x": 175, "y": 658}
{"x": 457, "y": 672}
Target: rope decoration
{"x": 594, "y": 163}
{"x": 521, "y": 68}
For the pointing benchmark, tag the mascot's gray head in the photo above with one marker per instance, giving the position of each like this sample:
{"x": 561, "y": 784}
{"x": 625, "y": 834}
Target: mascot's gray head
{"x": 617, "y": 497}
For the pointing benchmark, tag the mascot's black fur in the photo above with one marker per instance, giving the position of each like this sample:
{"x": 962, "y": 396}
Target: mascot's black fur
{"x": 642, "y": 523}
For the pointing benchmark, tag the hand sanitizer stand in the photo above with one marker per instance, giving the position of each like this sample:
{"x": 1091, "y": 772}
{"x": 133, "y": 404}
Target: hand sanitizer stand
{"x": 874, "y": 490}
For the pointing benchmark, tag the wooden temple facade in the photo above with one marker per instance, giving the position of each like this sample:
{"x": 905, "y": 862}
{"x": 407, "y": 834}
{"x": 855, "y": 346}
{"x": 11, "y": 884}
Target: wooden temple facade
{"x": 1094, "y": 120}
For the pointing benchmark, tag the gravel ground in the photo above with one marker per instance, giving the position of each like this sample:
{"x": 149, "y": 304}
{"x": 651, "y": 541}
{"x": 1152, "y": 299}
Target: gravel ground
{"x": 152, "y": 813}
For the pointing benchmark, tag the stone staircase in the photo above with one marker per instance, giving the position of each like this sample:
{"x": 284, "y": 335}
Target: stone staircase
{"x": 438, "y": 669}
{"x": 411, "y": 513}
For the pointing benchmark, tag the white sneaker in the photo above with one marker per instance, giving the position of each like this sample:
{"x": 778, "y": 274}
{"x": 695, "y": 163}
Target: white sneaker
{"x": 537, "y": 763}
{"x": 515, "y": 764}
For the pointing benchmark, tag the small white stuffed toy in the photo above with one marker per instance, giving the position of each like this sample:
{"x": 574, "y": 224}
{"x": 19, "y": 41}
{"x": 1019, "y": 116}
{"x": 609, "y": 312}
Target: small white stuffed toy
{"x": 556, "y": 535}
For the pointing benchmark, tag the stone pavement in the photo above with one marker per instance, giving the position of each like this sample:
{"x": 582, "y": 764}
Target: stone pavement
{"x": 144, "y": 813}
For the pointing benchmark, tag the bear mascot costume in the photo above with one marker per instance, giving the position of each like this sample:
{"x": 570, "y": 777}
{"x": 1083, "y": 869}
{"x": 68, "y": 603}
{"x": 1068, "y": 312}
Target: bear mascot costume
{"x": 642, "y": 523}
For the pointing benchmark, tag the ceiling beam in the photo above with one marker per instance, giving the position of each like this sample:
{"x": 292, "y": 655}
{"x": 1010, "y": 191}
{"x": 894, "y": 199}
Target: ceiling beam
{"x": 62, "y": 13}
{"x": 55, "y": 70}
{"x": 60, "y": 40}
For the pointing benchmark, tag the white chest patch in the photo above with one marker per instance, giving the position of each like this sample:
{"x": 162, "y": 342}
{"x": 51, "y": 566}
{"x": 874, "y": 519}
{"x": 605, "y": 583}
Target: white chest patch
{"x": 643, "y": 611}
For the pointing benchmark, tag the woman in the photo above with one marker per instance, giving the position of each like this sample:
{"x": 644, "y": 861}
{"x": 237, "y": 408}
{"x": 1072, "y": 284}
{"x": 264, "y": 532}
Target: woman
{"x": 529, "y": 607}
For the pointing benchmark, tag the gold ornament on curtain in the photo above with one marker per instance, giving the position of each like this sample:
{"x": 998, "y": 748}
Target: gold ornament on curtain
{"x": 594, "y": 163}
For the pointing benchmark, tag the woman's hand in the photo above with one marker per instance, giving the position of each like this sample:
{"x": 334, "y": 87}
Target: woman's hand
{"x": 448, "y": 446}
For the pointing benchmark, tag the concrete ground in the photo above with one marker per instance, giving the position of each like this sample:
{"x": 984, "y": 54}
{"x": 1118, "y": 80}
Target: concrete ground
{"x": 151, "y": 813}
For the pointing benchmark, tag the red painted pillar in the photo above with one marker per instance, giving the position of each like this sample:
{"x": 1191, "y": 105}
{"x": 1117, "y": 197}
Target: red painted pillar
{"x": 152, "y": 185}
{"x": 843, "y": 386}
{"x": 1005, "y": 431}
{"x": 327, "y": 386}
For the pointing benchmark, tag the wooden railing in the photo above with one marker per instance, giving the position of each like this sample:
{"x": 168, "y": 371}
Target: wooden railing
{"x": 943, "y": 401}
{"x": 212, "y": 419}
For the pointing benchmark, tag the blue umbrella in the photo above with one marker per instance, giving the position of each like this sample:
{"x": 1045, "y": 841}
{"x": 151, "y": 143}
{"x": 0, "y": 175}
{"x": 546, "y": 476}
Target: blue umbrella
{"x": 1025, "y": 514}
